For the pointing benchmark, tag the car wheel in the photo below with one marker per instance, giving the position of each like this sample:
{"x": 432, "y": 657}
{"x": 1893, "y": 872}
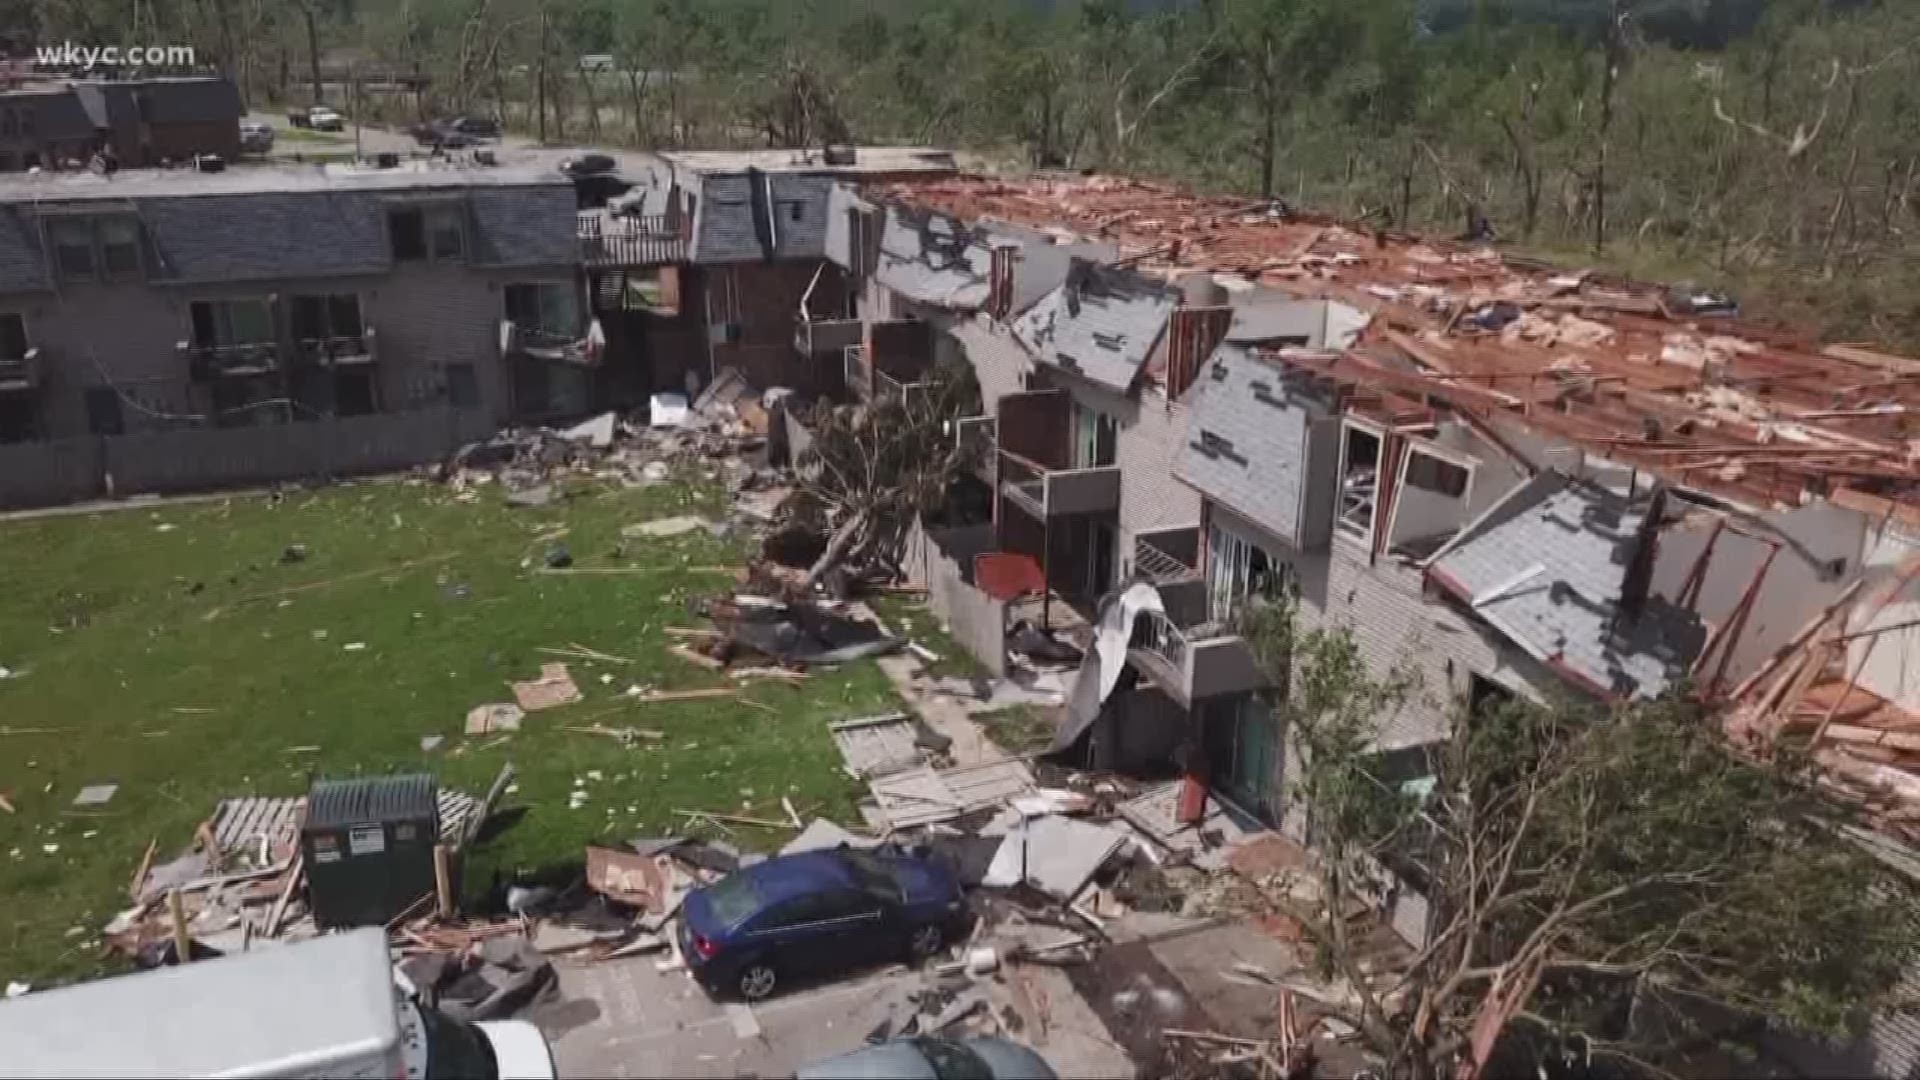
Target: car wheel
{"x": 925, "y": 942}
{"x": 757, "y": 980}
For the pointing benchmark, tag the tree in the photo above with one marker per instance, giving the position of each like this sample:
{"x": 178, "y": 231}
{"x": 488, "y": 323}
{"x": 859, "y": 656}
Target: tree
{"x": 875, "y": 467}
{"x": 1572, "y": 858}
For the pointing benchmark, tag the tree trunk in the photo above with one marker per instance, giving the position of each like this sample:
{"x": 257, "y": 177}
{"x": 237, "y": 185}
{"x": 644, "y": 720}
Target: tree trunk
{"x": 635, "y": 94}
{"x": 313, "y": 50}
{"x": 1608, "y": 76}
{"x": 540, "y": 82}
{"x": 836, "y": 549}
{"x": 1269, "y": 119}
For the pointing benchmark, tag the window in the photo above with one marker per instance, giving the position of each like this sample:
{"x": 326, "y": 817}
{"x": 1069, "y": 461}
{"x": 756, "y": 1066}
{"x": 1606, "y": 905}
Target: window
{"x": 120, "y": 247}
{"x": 1442, "y": 477}
{"x": 546, "y": 307}
{"x": 103, "y": 412}
{"x": 13, "y": 336}
{"x": 72, "y": 246}
{"x": 407, "y": 232}
{"x": 733, "y": 898}
{"x": 951, "y": 1061}
{"x": 353, "y": 393}
{"x": 449, "y": 238}
{"x": 794, "y": 211}
{"x": 87, "y": 247}
{"x": 1093, "y": 438}
{"x": 319, "y": 320}
{"x": 1236, "y": 570}
{"x": 872, "y": 875}
{"x": 463, "y": 387}
{"x": 1359, "y": 482}
{"x": 225, "y": 324}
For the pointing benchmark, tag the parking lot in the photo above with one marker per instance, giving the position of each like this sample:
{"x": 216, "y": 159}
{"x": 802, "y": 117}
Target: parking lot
{"x": 625, "y": 1018}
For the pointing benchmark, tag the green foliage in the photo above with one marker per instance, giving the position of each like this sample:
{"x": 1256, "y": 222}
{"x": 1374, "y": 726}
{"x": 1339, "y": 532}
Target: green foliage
{"x": 1616, "y": 851}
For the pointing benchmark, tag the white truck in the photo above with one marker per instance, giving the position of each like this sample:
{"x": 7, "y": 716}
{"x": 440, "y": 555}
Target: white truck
{"x": 329, "y": 1007}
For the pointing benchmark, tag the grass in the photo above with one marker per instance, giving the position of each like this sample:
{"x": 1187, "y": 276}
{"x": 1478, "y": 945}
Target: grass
{"x": 298, "y": 134}
{"x": 1021, "y": 729}
{"x": 171, "y": 650}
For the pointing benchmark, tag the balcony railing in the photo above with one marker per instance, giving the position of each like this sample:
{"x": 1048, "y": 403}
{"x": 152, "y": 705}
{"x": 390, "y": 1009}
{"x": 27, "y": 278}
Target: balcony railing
{"x": 650, "y": 240}
{"x": 569, "y": 346}
{"x": 338, "y": 351}
{"x": 824, "y": 337}
{"x": 1157, "y": 565}
{"x": 1155, "y": 634}
{"x": 213, "y": 361}
{"x": 1045, "y": 492}
{"x": 17, "y": 372}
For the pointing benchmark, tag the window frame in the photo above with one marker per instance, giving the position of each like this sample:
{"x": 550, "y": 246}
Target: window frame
{"x": 1231, "y": 571}
{"x": 542, "y": 291}
{"x": 1349, "y": 427}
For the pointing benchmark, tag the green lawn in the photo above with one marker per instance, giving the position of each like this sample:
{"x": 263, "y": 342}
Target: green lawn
{"x": 170, "y": 650}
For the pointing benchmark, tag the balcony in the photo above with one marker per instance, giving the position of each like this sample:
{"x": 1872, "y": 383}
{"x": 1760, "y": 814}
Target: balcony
{"x": 19, "y": 373}
{"x": 557, "y": 345}
{"x": 826, "y": 337}
{"x": 1189, "y": 660}
{"x": 1049, "y": 493}
{"x": 977, "y": 436}
{"x": 209, "y": 362}
{"x": 347, "y": 350}
{"x": 608, "y": 242}
{"x": 1167, "y": 556}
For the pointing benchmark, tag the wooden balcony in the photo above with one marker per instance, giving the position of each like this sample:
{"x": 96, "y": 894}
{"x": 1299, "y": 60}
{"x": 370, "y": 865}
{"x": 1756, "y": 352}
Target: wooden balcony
{"x": 608, "y": 242}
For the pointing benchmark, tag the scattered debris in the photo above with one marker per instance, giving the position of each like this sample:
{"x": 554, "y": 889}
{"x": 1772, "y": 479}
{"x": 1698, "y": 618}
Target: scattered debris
{"x": 665, "y": 527}
{"x": 554, "y": 687}
{"x": 823, "y": 835}
{"x": 498, "y": 716}
{"x": 96, "y": 795}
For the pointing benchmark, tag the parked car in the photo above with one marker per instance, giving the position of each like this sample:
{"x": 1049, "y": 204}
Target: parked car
{"x": 477, "y": 127}
{"x": 324, "y": 118}
{"x": 929, "y": 1058}
{"x": 300, "y": 118}
{"x": 813, "y": 914}
{"x": 588, "y": 165}
{"x": 256, "y": 136}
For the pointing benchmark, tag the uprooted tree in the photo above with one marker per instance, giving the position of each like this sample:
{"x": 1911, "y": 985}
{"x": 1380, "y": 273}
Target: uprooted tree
{"x": 876, "y": 466}
{"x": 1585, "y": 868}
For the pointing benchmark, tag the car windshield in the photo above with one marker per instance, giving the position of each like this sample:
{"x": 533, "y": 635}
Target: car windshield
{"x": 872, "y": 875}
{"x": 455, "y": 1050}
{"x": 951, "y": 1061}
{"x": 733, "y": 899}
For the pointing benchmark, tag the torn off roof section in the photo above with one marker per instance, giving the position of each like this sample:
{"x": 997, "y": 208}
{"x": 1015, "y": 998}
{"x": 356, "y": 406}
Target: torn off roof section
{"x": 933, "y": 259}
{"x": 1246, "y": 445}
{"x": 1548, "y": 568}
{"x": 1101, "y": 324}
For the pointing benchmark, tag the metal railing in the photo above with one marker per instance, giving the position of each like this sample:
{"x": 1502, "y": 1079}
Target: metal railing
{"x": 854, "y": 369}
{"x": 339, "y": 349}
{"x": 649, "y": 240}
{"x": 1158, "y": 566}
{"x": 1156, "y": 635}
{"x": 1024, "y": 479}
{"x": 249, "y": 358}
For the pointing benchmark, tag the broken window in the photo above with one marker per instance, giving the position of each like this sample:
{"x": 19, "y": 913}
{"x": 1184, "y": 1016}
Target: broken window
{"x": 13, "y": 336}
{"x": 226, "y": 324}
{"x": 1359, "y": 481}
{"x": 1442, "y": 477}
{"x": 1238, "y": 569}
{"x": 1094, "y": 435}
{"x": 547, "y": 308}
{"x": 328, "y": 325}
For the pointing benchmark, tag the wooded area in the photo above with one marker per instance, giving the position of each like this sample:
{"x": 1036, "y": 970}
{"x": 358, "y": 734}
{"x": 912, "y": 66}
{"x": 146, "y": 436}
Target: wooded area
{"x": 1767, "y": 146}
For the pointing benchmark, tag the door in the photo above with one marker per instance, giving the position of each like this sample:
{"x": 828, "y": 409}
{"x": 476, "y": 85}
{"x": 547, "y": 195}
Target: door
{"x": 1242, "y": 743}
{"x": 1093, "y": 438}
{"x": 826, "y": 932}
{"x": 1100, "y": 559}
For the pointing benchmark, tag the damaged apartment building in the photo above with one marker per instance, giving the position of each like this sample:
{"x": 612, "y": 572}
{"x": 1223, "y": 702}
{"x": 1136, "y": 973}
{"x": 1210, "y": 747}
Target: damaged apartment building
{"x": 1503, "y": 479}
{"x": 178, "y": 330}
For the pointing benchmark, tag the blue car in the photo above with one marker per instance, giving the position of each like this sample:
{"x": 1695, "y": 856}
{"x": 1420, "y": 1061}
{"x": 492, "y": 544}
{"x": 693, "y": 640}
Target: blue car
{"x": 813, "y": 914}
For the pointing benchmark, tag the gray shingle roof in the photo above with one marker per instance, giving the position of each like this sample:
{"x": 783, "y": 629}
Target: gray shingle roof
{"x": 749, "y": 216}
{"x": 803, "y": 236}
{"x": 239, "y": 237}
{"x": 56, "y": 116}
{"x": 1584, "y": 537}
{"x": 23, "y": 266}
{"x": 1101, "y": 323}
{"x": 932, "y": 259}
{"x": 1246, "y": 441}
{"x": 527, "y": 226}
